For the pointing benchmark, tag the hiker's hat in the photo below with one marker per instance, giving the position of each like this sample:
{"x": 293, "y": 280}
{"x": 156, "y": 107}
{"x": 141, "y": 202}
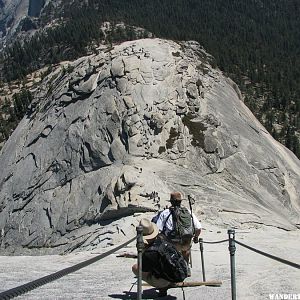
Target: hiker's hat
{"x": 150, "y": 230}
{"x": 176, "y": 196}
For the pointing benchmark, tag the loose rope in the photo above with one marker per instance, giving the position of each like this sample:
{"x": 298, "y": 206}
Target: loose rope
{"x": 22, "y": 289}
{"x": 216, "y": 242}
{"x": 292, "y": 264}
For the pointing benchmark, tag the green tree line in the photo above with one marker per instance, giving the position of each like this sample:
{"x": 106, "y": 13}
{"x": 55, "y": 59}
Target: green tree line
{"x": 12, "y": 112}
{"x": 255, "y": 42}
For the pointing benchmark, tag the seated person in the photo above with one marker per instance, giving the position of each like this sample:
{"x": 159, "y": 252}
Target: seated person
{"x": 157, "y": 268}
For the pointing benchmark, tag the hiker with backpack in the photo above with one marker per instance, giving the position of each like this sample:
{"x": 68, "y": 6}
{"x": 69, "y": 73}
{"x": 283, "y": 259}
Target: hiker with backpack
{"x": 162, "y": 264}
{"x": 179, "y": 225}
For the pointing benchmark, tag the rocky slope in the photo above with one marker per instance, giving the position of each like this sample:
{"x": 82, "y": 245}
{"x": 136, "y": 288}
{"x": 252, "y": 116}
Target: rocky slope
{"x": 107, "y": 130}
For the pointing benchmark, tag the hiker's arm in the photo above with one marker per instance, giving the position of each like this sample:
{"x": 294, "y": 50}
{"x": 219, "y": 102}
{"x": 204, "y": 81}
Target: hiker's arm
{"x": 198, "y": 227}
{"x": 197, "y": 232}
{"x": 196, "y": 236}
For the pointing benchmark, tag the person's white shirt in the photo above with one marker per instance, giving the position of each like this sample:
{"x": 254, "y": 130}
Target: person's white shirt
{"x": 164, "y": 215}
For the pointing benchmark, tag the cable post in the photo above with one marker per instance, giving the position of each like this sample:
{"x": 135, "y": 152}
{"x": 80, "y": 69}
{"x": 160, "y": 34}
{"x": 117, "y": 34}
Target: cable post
{"x": 140, "y": 247}
{"x": 202, "y": 258}
{"x": 232, "y": 248}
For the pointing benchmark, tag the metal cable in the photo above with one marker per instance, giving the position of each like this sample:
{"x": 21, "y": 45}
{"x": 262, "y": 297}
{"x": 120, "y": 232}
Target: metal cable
{"x": 217, "y": 242}
{"x": 22, "y": 289}
{"x": 292, "y": 264}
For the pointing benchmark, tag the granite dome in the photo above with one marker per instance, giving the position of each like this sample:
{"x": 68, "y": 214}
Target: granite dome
{"x": 108, "y": 129}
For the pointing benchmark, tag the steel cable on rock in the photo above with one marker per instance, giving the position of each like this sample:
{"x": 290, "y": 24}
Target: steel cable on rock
{"x": 22, "y": 289}
{"x": 284, "y": 261}
{"x": 216, "y": 242}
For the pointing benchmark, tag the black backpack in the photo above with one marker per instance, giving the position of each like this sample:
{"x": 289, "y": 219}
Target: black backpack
{"x": 170, "y": 263}
{"x": 183, "y": 227}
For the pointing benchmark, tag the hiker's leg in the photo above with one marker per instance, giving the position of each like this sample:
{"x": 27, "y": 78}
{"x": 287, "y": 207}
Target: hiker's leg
{"x": 186, "y": 254}
{"x": 185, "y": 249}
{"x": 156, "y": 282}
{"x": 150, "y": 278}
{"x": 136, "y": 271}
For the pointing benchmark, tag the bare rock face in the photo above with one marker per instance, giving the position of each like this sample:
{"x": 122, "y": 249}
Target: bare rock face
{"x": 114, "y": 133}
{"x": 13, "y": 12}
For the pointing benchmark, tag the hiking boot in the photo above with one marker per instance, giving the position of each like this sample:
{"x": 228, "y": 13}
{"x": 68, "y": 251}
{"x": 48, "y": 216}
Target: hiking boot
{"x": 163, "y": 292}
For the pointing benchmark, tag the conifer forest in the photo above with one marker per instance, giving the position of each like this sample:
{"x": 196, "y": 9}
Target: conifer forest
{"x": 255, "y": 42}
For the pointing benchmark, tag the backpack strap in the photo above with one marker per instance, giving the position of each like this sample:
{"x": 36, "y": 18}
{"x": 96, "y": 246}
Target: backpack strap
{"x": 174, "y": 212}
{"x": 165, "y": 224}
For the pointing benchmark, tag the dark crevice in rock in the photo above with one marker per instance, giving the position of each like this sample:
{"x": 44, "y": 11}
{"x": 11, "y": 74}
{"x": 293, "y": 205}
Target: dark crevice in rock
{"x": 31, "y": 111}
{"x": 110, "y": 156}
{"x": 82, "y": 119}
{"x": 34, "y": 158}
{"x": 65, "y": 181}
{"x": 161, "y": 149}
{"x": 56, "y": 245}
{"x": 73, "y": 91}
{"x": 76, "y": 246}
{"x": 44, "y": 246}
{"x": 85, "y": 78}
{"x": 99, "y": 190}
{"x": 48, "y": 216}
{"x": 21, "y": 158}
{"x": 109, "y": 136}
{"x": 196, "y": 129}
{"x": 60, "y": 232}
{"x": 262, "y": 223}
{"x": 124, "y": 136}
{"x": 41, "y": 135}
{"x": 174, "y": 135}
{"x": 70, "y": 187}
{"x": 94, "y": 240}
{"x": 27, "y": 197}
{"x": 254, "y": 128}
{"x": 105, "y": 203}
{"x": 7, "y": 178}
{"x": 81, "y": 166}
{"x": 46, "y": 106}
{"x": 24, "y": 205}
{"x": 81, "y": 97}
{"x": 239, "y": 212}
{"x": 267, "y": 168}
{"x": 37, "y": 185}
{"x": 28, "y": 244}
{"x": 189, "y": 95}
{"x": 112, "y": 215}
{"x": 189, "y": 185}
{"x": 90, "y": 161}
{"x": 68, "y": 94}
{"x": 30, "y": 233}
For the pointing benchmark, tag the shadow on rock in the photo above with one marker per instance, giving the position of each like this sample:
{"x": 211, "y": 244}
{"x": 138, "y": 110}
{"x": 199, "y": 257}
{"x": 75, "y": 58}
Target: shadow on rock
{"x": 147, "y": 294}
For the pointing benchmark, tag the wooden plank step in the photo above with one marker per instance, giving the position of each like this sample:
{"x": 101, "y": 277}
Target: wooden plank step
{"x": 192, "y": 284}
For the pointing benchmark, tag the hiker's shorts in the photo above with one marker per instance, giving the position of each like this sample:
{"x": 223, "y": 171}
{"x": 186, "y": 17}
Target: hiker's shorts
{"x": 156, "y": 282}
